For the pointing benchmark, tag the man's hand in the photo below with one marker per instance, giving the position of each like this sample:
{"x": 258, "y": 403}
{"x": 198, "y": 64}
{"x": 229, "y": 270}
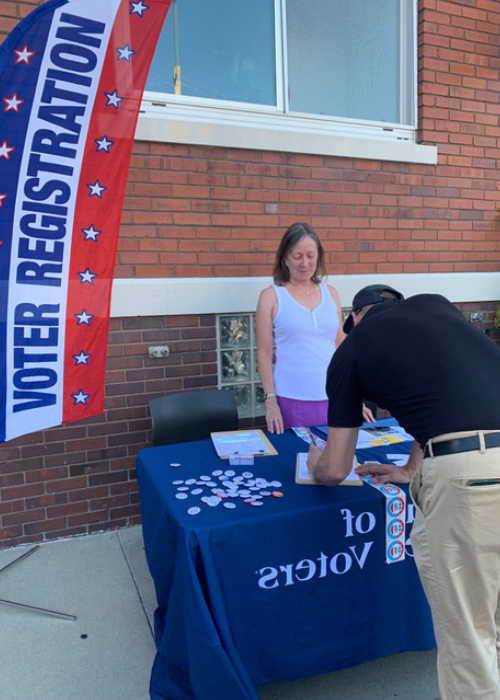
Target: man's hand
{"x": 315, "y": 453}
{"x": 389, "y": 472}
{"x": 331, "y": 466}
{"x": 386, "y": 472}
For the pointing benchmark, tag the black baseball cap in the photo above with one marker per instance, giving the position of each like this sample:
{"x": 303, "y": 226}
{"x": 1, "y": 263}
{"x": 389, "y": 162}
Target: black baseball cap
{"x": 373, "y": 294}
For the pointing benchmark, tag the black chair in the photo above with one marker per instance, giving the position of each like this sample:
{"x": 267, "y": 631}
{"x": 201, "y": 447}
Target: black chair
{"x": 192, "y": 415}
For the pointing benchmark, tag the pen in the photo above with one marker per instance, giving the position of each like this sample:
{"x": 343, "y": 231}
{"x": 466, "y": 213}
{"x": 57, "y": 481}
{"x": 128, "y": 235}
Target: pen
{"x": 312, "y": 436}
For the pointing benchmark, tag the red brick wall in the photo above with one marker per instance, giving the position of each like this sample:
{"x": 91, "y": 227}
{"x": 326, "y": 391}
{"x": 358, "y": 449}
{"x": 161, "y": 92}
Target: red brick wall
{"x": 200, "y": 211}
{"x": 80, "y": 478}
{"x": 11, "y": 12}
{"x": 459, "y": 107}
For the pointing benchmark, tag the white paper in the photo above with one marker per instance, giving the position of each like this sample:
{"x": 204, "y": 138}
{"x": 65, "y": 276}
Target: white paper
{"x": 400, "y": 460}
{"x": 304, "y": 471}
{"x": 243, "y": 443}
{"x": 381, "y": 436}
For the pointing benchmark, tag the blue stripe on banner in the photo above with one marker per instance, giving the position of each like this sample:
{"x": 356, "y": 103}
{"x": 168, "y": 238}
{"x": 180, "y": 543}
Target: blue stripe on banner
{"x": 16, "y": 84}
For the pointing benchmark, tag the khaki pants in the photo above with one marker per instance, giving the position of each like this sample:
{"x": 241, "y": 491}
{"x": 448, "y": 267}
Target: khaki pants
{"x": 456, "y": 542}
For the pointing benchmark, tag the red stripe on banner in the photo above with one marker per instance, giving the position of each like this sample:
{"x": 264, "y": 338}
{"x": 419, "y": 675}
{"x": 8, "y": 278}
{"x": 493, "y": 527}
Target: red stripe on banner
{"x": 98, "y": 211}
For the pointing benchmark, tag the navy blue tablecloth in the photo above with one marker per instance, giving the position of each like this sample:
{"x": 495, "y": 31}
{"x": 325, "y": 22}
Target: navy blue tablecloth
{"x": 294, "y": 588}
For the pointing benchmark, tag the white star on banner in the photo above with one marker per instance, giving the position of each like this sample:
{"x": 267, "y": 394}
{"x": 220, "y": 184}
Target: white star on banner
{"x": 125, "y": 53}
{"x": 2, "y": 197}
{"x": 5, "y": 150}
{"x": 24, "y": 55}
{"x": 84, "y": 317}
{"x": 82, "y": 358}
{"x": 87, "y": 276}
{"x": 103, "y": 144}
{"x": 96, "y": 189}
{"x": 113, "y": 99}
{"x": 12, "y": 103}
{"x": 138, "y": 8}
{"x": 80, "y": 397}
{"x": 90, "y": 233}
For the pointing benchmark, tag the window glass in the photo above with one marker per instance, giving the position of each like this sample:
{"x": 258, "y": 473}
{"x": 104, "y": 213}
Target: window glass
{"x": 225, "y": 50}
{"x": 344, "y": 58}
{"x": 347, "y": 59}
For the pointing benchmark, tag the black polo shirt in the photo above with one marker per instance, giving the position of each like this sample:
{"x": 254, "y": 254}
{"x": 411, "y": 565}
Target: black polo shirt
{"x": 421, "y": 360}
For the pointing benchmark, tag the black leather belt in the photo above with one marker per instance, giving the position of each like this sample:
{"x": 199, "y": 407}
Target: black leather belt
{"x": 465, "y": 444}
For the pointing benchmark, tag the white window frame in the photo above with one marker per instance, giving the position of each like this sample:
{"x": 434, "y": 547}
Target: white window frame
{"x": 196, "y": 121}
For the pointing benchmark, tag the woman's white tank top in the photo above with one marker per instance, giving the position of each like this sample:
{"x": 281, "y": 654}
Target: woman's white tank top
{"x": 305, "y": 343}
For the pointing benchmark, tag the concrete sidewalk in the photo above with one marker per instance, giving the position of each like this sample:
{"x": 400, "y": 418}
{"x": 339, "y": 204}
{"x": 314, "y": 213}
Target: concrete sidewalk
{"x": 107, "y": 653}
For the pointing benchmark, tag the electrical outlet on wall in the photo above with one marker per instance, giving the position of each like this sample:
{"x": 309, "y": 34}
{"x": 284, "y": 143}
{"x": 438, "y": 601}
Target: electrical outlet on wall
{"x": 159, "y": 351}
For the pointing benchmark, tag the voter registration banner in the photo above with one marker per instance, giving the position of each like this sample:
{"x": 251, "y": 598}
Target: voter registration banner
{"x": 72, "y": 75}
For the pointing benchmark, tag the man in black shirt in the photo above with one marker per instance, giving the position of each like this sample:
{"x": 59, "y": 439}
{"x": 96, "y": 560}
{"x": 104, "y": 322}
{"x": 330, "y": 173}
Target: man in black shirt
{"x": 440, "y": 378}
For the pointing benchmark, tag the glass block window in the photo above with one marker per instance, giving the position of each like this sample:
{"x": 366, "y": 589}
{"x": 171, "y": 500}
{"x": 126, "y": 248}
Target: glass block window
{"x": 237, "y": 362}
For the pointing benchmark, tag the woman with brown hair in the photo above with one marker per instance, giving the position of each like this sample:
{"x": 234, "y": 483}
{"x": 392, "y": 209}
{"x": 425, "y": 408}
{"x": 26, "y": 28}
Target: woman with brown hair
{"x": 301, "y": 315}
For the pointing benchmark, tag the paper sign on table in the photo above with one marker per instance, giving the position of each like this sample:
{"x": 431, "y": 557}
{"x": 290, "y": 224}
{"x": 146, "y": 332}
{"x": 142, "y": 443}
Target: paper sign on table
{"x": 399, "y": 460}
{"x": 379, "y": 436}
{"x": 242, "y": 442}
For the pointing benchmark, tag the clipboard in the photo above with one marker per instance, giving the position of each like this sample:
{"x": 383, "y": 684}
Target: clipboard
{"x": 302, "y": 473}
{"x": 230, "y": 443}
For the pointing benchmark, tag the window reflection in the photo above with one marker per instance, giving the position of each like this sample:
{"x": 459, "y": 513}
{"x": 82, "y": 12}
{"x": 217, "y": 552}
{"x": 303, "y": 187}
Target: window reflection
{"x": 346, "y": 59}
{"x": 223, "y": 49}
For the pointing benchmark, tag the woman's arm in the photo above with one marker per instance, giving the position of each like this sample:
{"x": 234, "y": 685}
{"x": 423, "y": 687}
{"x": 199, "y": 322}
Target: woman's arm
{"x": 267, "y": 307}
{"x": 339, "y": 338}
{"x": 340, "y": 331}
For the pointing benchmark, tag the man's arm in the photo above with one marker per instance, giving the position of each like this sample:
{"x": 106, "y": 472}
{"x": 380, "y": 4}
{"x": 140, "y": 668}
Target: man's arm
{"x": 331, "y": 465}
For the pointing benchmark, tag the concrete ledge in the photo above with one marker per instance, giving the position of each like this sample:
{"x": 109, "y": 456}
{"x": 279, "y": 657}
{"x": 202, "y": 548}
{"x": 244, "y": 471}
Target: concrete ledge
{"x": 166, "y": 296}
{"x": 205, "y": 126}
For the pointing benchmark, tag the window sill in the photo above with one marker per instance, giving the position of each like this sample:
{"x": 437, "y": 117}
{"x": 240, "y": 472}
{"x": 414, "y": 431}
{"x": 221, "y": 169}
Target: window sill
{"x": 265, "y": 131}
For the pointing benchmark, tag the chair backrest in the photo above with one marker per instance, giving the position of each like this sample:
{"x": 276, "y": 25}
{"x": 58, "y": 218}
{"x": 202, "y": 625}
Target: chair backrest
{"x": 192, "y": 415}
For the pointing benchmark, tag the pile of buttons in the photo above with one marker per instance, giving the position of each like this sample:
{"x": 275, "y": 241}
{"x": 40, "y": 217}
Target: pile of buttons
{"x": 227, "y": 488}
